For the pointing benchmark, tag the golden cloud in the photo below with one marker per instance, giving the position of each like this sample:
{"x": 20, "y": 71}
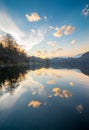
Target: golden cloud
{"x": 56, "y": 91}
{"x": 34, "y": 17}
{"x": 37, "y": 53}
{"x": 42, "y": 54}
{"x": 60, "y": 93}
{"x": 66, "y": 93}
{"x": 64, "y": 30}
{"x": 69, "y": 29}
{"x": 58, "y": 33}
{"x": 71, "y": 83}
{"x": 34, "y": 103}
{"x": 41, "y": 71}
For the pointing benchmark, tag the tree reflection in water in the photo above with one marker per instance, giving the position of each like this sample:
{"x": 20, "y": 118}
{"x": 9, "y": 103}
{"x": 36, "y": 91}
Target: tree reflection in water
{"x": 10, "y": 79}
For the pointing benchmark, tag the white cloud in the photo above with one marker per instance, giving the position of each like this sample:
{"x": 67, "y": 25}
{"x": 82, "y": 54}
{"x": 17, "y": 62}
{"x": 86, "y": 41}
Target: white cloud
{"x": 51, "y": 28}
{"x": 56, "y": 29}
{"x": 34, "y": 38}
{"x": 51, "y": 82}
{"x": 73, "y": 41}
{"x": 33, "y": 31}
{"x": 0, "y": 35}
{"x": 85, "y": 11}
{"x": 51, "y": 44}
{"x": 34, "y": 17}
{"x": 45, "y": 18}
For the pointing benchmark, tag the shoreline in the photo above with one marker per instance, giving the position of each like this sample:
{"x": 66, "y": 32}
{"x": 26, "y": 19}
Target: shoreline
{"x": 13, "y": 65}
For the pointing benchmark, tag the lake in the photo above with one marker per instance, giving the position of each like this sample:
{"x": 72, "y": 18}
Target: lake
{"x": 44, "y": 99}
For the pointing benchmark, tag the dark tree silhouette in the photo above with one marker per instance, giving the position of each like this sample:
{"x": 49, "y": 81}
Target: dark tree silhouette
{"x": 11, "y": 53}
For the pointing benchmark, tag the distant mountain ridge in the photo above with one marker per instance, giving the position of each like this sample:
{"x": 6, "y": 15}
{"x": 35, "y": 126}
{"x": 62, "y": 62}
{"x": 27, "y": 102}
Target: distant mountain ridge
{"x": 81, "y": 63}
{"x": 85, "y": 55}
{"x": 78, "y": 56}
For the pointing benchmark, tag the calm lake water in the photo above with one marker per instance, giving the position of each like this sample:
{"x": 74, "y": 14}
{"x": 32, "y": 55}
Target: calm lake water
{"x": 44, "y": 99}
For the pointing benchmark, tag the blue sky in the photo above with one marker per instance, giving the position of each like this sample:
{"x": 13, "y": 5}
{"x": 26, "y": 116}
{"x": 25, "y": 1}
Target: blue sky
{"x": 47, "y": 28}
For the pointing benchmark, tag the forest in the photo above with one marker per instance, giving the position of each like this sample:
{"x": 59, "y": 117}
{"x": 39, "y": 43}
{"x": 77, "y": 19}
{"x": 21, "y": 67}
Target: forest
{"x": 11, "y": 53}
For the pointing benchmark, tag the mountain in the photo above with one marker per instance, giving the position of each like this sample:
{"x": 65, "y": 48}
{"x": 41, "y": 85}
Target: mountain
{"x": 85, "y": 55}
{"x": 81, "y": 63}
{"x": 78, "y": 56}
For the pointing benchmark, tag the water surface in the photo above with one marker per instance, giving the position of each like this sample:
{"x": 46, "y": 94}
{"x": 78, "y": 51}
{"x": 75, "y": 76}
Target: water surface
{"x": 44, "y": 99}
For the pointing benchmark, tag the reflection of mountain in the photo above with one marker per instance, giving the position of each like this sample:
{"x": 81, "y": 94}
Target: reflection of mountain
{"x": 37, "y": 62}
{"x": 81, "y": 63}
{"x": 11, "y": 77}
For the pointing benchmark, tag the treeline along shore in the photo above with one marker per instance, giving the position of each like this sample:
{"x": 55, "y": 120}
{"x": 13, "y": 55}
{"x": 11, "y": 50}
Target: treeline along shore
{"x": 11, "y": 54}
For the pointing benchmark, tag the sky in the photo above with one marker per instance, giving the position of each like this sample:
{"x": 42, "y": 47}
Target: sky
{"x": 47, "y": 28}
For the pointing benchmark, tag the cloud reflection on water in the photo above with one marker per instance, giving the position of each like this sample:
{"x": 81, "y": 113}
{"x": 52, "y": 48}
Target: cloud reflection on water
{"x": 34, "y": 104}
{"x": 61, "y": 93}
{"x": 79, "y": 108}
{"x": 36, "y": 83}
